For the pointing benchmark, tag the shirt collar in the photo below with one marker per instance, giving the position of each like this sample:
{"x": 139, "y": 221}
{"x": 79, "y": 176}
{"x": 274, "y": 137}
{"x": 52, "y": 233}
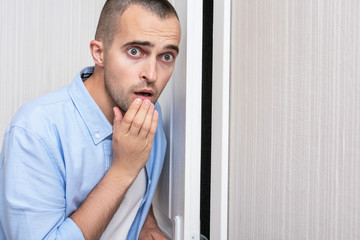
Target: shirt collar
{"x": 96, "y": 122}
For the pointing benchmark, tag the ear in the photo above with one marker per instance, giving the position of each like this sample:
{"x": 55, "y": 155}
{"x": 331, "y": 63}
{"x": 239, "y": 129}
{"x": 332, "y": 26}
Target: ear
{"x": 97, "y": 52}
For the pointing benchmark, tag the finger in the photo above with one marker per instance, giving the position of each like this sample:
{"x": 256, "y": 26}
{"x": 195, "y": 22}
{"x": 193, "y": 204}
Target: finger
{"x": 130, "y": 115}
{"x": 139, "y": 119}
{"x": 117, "y": 120}
{"x": 147, "y": 122}
{"x": 154, "y": 122}
{"x": 117, "y": 116}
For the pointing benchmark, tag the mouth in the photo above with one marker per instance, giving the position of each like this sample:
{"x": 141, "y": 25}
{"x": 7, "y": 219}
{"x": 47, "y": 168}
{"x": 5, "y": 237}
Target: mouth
{"x": 144, "y": 93}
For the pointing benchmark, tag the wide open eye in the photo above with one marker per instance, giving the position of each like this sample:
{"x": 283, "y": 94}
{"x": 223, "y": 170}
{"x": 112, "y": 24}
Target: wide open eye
{"x": 135, "y": 52}
{"x": 167, "y": 57}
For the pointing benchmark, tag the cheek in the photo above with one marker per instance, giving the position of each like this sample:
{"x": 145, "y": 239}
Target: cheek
{"x": 163, "y": 81}
{"x": 165, "y": 76}
{"x": 121, "y": 70}
{"x": 117, "y": 65}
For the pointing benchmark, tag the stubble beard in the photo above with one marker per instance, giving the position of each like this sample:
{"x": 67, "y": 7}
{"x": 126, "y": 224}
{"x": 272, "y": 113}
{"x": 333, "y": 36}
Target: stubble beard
{"x": 118, "y": 95}
{"x": 122, "y": 98}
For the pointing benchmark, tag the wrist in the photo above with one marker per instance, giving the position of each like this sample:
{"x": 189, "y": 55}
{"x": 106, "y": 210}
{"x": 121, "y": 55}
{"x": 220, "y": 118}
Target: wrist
{"x": 119, "y": 177}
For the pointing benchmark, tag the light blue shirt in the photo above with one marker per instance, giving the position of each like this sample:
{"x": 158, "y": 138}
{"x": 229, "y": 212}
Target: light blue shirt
{"x": 55, "y": 151}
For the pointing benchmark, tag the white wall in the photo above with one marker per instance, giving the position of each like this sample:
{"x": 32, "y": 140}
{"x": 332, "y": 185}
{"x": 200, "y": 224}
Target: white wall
{"x": 43, "y": 44}
{"x": 295, "y": 120}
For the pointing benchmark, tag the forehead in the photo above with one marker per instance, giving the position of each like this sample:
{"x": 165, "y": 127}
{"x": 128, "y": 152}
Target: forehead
{"x": 139, "y": 24}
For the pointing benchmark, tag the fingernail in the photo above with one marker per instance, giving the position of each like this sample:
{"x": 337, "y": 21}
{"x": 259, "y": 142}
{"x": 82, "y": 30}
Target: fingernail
{"x": 147, "y": 101}
{"x": 138, "y": 101}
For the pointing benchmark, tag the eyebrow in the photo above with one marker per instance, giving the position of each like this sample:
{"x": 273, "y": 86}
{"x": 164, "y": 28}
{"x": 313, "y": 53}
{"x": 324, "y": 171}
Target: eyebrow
{"x": 149, "y": 44}
{"x": 173, "y": 47}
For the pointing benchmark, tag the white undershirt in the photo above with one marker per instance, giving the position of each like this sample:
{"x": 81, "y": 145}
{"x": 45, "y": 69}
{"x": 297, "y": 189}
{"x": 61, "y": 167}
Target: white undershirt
{"x": 120, "y": 224}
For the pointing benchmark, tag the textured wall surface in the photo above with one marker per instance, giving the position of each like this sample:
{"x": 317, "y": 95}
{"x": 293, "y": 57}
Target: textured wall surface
{"x": 295, "y": 120}
{"x": 43, "y": 44}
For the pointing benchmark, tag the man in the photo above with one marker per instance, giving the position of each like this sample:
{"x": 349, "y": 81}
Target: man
{"x": 65, "y": 171}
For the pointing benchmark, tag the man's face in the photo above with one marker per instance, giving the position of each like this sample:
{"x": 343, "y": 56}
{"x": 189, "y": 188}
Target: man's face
{"x": 141, "y": 59}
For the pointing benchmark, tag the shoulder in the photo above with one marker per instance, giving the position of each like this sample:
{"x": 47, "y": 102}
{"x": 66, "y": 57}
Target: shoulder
{"x": 41, "y": 111}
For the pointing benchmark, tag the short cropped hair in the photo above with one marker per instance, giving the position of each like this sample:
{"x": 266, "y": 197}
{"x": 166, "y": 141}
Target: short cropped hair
{"x": 113, "y": 9}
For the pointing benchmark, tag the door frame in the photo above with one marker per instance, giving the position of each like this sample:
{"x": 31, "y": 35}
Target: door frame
{"x": 193, "y": 120}
{"x": 220, "y": 120}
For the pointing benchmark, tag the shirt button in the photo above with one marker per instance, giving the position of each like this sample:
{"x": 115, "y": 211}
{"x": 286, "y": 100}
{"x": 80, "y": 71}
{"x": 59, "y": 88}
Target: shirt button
{"x": 97, "y": 136}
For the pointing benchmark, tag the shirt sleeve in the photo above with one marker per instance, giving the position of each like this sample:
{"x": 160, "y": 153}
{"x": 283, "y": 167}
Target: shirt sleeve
{"x": 32, "y": 190}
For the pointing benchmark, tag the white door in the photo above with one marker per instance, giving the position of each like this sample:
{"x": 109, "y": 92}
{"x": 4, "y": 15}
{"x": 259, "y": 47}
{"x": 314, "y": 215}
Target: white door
{"x": 177, "y": 203}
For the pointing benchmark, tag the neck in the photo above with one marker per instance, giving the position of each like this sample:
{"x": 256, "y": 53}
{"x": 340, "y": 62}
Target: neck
{"x": 96, "y": 87}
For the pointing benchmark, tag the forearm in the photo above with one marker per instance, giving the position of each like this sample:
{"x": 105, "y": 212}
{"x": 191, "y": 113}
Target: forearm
{"x": 150, "y": 219}
{"x": 95, "y": 213}
{"x": 151, "y": 230}
{"x": 131, "y": 144}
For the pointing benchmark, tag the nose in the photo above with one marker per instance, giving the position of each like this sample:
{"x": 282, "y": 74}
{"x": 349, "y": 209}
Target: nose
{"x": 149, "y": 72}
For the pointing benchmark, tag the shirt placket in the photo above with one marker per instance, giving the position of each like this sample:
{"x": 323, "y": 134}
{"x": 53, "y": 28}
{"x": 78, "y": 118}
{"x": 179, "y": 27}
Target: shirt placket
{"x": 107, "y": 153}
